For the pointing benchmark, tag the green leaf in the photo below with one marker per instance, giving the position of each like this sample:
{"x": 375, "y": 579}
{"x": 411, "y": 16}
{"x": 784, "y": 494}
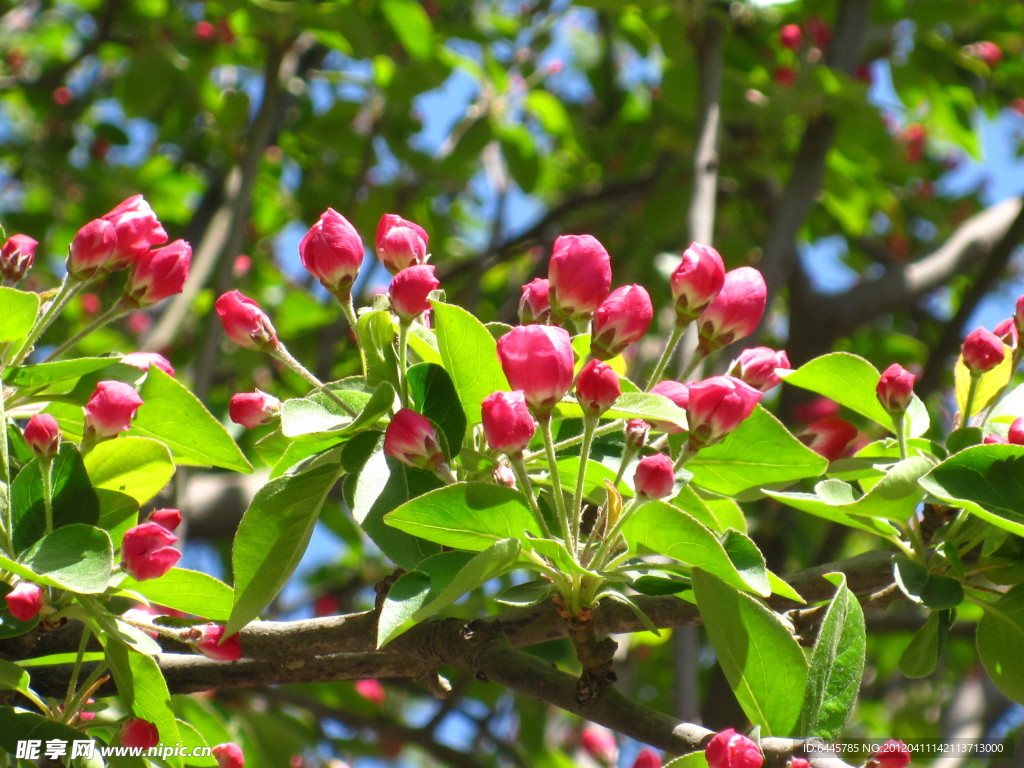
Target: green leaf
{"x": 135, "y": 466}
{"x": 469, "y": 516}
{"x": 759, "y": 452}
{"x": 33, "y": 376}
{"x": 18, "y": 310}
{"x": 692, "y": 760}
{"x": 930, "y": 589}
{"x": 411, "y": 25}
{"x": 922, "y": 653}
{"x": 762, "y": 661}
{"x": 317, "y": 416}
{"x": 16, "y": 725}
{"x": 1000, "y": 639}
{"x": 376, "y": 333}
{"x": 174, "y": 416}
{"x": 74, "y": 499}
{"x": 644, "y": 405}
{"x": 434, "y": 394}
{"x": 13, "y": 677}
{"x": 836, "y": 666}
{"x": 76, "y": 557}
{"x": 423, "y": 342}
{"x": 188, "y": 591}
{"x": 272, "y": 538}
{"x": 593, "y": 480}
{"x": 669, "y": 531}
{"x": 527, "y": 593}
{"x": 748, "y": 561}
{"x": 470, "y": 356}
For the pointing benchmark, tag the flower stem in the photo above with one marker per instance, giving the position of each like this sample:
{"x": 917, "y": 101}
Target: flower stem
{"x": 349, "y": 309}
{"x": 403, "y": 361}
{"x": 899, "y": 427}
{"x": 608, "y": 543}
{"x": 589, "y": 425}
{"x": 972, "y": 391}
{"x": 282, "y": 354}
{"x": 607, "y": 429}
{"x": 556, "y": 483}
{"x": 523, "y": 478}
{"x": 46, "y": 474}
{"x": 76, "y": 670}
{"x": 5, "y": 476}
{"x": 109, "y": 316}
{"x": 65, "y": 293}
{"x": 670, "y": 348}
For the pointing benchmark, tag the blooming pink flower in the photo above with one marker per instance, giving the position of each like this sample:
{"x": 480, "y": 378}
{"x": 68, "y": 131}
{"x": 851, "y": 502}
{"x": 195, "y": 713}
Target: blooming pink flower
{"x": 412, "y": 439}
{"x": 139, "y": 733}
{"x": 253, "y": 409}
{"x": 717, "y": 406}
{"x": 110, "y": 409}
{"x": 332, "y": 251}
{"x": 244, "y": 322}
{"x": 697, "y": 280}
{"x": 729, "y": 749}
{"x": 410, "y": 288}
{"x": 535, "y": 304}
{"x": 982, "y": 350}
{"x": 147, "y": 551}
{"x": 893, "y": 754}
{"x": 791, "y": 36}
{"x": 679, "y": 394}
{"x": 621, "y": 320}
{"x": 25, "y": 601}
{"x": 895, "y": 388}
{"x": 371, "y": 690}
{"x": 538, "y": 360}
{"x": 736, "y": 311}
{"x": 17, "y": 256}
{"x": 597, "y": 387}
{"x": 43, "y": 435}
{"x": 508, "y": 424}
{"x": 228, "y": 755}
{"x": 600, "y": 744}
{"x": 580, "y": 275}
{"x": 829, "y": 436}
{"x": 159, "y": 273}
{"x": 143, "y": 360}
{"x": 169, "y": 517}
{"x": 400, "y": 243}
{"x": 758, "y": 365}
{"x": 137, "y": 229}
{"x": 647, "y": 758}
{"x": 655, "y": 477}
{"x": 207, "y": 640}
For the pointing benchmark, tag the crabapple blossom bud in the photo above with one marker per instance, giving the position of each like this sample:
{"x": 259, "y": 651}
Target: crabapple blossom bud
{"x": 697, "y": 281}
{"x": 818, "y": 29}
{"x": 828, "y": 436}
{"x": 371, "y": 690}
{"x": 1007, "y": 332}
{"x": 409, "y": 291}
{"x": 332, "y": 251}
{"x": 758, "y": 365}
{"x": 503, "y": 475}
{"x": 815, "y": 409}
{"x": 982, "y": 351}
{"x": 736, "y": 311}
{"x": 147, "y": 551}
{"x": 228, "y": 755}
{"x": 139, "y": 733}
{"x": 535, "y": 304}
{"x": 893, "y": 754}
{"x": 717, "y": 406}
{"x": 411, "y": 439}
{"x": 1018, "y": 316}
{"x": 679, "y": 394}
{"x": 110, "y": 409}
{"x": 25, "y": 601}
{"x": 207, "y": 640}
{"x": 244, "y": 322}
{"x": 985, "y": 50}
{"x": 621, "y": 320}
{"x": 143, "y": 360}
{"x": 169, "y": 517}
{"x": 995, "y": 439}
{"x": 895, "y": 388}
{"x": 508, "y": 423}
{"x": 16, "y": 257}
{"x": 729, "y": 749}
{"x": 647, "y": 758}
{"x": 597, "y": 387}
{"x": 253, "y": 409}
{"x": 784, "y": 76}
{"x": 791, "y": 36}
{"x": 655, "y": 477}
{"x": 158, "y": 274}
{"x": 600, "y": 744}
{"x": 580, "y": 275}
{"x": 137, "y": 230}
{"x": 400, "y": 243}
{"x": 538, "y": 360}
{"x": 43, "y": 435}
{"x": 1016, "y": 433}
{"x": 636, "y": 433}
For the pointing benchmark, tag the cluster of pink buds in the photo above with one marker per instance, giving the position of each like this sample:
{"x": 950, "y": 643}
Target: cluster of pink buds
{"x": 147, "y": 550}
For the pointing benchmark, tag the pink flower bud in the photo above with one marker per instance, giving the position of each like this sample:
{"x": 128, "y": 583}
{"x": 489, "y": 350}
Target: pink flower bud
{"x": 143, "y": 361}
{"x": 697, "y": 280}
{"x": 508, "y": 424}
{"x": 244, "y": 322}
{"x": 139, "y": 733}
{"x": 895, "y": 388}
{"x": 729, "y": 749}
{"x": 600, "y": 744}
{"x": 655, "y": 477}
{"x": 538, "y": 360}
{"x": 535, "y": 304}
{"x": 982, "y": 351}
{"x": 207, "y": 640}
{"x": 791, "y": 36}
{"x": 503, "y": 475}
{"x": 228, "y": 755}
{"x": 985, "y": 50}
{"x": 636, "y": 433}
{"x": 647, "y": 758}
{"x": 784, "y": 76}
{"x": 1007, "y": 332}
{"x": 409, "y": 291}
{"x": 147, "y": 551}
{"x": 253, "y": 409}
{"x": 818, "y": 29}
{"x": 400, "y": 243}
{"x": 372, "y": 691}
{"x": 43, "y": 435}
{"x": 110, "y": 409}
{"x": 159, "y": 273}
{"x": 580, "y": 275}
{"x": 137, "y": 230}
{"x": 1018, "y": 316}
{"x": 411, "y": 439}
{"x": 717, "y": 406}
{"x": 828, "y": 436}
{"x": 757, "y": 366}
{"x": 893, "y": 754}
{"x": 326, "y": 605}
{"x": 798, "y": 762}
{"x": 621, "y": 320}
{"x": 332, "y": 251}
{"x": 25, "y": 601}
{"x": 993, "y": 439}
{"x": 736, "y": 311}
{"x": 17, "y": 256}
{"x": 1016, "y": 433}
{"x": 168, "y": 518}
{"x": 679, "y": 394}
{"x": 597, "y": 387}
{"x": 812, "y": 410}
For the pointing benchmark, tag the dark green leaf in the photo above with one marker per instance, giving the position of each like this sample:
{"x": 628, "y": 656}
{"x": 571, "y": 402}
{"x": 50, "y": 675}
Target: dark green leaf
{"x": 434, "y": 394}
{"x": 376, "y": 333}
{"x": 1000, "y": 639}
{"x": 18, "y": 726}
{"x": 748, "y": 560}
{"x": 74, "y": 500}
{"x": 77, "y": 557}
